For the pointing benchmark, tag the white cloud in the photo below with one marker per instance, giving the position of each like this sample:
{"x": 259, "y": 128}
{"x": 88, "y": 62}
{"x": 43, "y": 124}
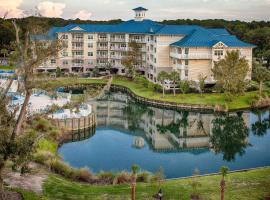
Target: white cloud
{"x": 51, "y": 9}
{"x": 11, "y": 6}
{"x": 83, "y": 15}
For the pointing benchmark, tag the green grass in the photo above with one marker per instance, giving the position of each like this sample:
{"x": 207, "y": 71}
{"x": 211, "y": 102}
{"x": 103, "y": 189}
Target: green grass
{"x": 240, "y": 102}
{"x": 47, "y": 145}
{"x": 6, "y": 68}
{"x": 249, "y": 185}
{"x": 27, "y": 195}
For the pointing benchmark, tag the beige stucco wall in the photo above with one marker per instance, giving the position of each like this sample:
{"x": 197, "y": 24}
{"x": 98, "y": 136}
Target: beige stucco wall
{"x": 197, "y": 67}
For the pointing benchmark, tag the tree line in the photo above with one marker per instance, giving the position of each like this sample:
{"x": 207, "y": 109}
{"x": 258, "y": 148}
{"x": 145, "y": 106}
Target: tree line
{"x": 255, "y": 32}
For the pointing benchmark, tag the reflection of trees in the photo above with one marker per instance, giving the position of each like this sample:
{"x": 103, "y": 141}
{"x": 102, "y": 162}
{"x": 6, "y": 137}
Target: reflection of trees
{"x": 229, "y": 136}
{"x": 133, "y": 113}
{"x": 260, "y": 127}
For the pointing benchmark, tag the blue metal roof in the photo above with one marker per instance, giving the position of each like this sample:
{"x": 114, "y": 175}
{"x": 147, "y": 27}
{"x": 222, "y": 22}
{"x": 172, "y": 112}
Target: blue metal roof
{"x": 195, "y": 36}
{"x": 205, "y": 38}
{"x": 140, "y": 9}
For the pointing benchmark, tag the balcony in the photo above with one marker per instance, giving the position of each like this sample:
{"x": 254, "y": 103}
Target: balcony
{"x": 116, "y": 56}
{"x": 78, "y": 56}
{"x": 77, "y": 48}
{"x": 137, "y": 40}
{"x": 191, "y": 56}
{"x": 102, "y": 56}
{"x": 118, "y": 40}
{"x": 180, "y": 67}
{"x": 119, "y": 48}
{"x": 102, "y": 48}
{"x": 77, "y": 39}
{"x": 103, "y": 39}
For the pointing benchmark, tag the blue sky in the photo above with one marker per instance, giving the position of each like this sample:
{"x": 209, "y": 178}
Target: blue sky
{"x": 247, "y": 10}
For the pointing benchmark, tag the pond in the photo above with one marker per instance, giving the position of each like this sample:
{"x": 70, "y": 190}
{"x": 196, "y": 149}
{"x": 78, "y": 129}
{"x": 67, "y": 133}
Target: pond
{"x": 176, "y": 140}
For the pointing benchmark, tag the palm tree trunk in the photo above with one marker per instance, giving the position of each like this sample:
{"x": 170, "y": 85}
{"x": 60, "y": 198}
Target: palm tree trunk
{"x": 2, "y": 165}
{"x": 22, "y": 115}
{"x": 174, "y": 90}
{"x": 222, "y": 186}
{"x": 133, "y": 188}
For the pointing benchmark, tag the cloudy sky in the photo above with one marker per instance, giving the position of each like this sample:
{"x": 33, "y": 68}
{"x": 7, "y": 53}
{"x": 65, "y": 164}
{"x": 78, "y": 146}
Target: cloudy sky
{"x": 247, "y": 10}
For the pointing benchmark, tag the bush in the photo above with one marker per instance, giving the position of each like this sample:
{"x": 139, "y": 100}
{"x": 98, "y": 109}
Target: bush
{"x": 48, "y": 145}
{"x": 143, "y": 177}
{"x": 83, "y": 175}
{"x": 121, "y": 178}
{"x": 43, "y": 157}
{"x": 42, "y": 125}
{"x": 157, "y": 88}
{"x": 106, "y": 177}
{"x": 61, "y": 168}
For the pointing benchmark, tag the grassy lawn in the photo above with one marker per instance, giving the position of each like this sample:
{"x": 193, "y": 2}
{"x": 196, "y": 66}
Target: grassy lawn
{"x": 240, "y": 102}
{"x": 6, "y": 68}
{"x": 250, "y": 185}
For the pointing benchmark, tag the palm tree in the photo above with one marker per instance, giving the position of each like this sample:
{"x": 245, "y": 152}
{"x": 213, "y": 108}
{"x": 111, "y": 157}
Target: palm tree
{"x": 174, "y": 77}
{"x": 224, "y": 171}
{"x": 135, "y": 169}
{"x": 202, "y": 83}
{"x": 4, "y": 52}
{"x": 162, "y": 76}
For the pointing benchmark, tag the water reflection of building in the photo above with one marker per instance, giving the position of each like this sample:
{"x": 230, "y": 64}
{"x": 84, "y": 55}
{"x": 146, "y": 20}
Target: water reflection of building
{"x": 164, "y": 130}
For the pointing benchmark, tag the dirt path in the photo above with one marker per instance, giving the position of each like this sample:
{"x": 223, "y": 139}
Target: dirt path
{"x": 31, "y": 182}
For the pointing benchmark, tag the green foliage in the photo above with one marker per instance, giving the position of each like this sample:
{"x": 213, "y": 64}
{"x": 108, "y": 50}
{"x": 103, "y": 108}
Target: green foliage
{"x": 224, "y": 171}
{"x": 184, "y": 86}
{"x": 260, "y": 74}
{"x": 143, "y": 177}
{"x": 48, "y": 145}
{"x": 106, "y": 177}
{"x": 61, "y": 168}
{"x": 202, "y": 82}
{"x": 122, "y": 178}
{"x": 58, "y": 72}
{"x": 135, "y": 169}
{"x": 230, "y": 73}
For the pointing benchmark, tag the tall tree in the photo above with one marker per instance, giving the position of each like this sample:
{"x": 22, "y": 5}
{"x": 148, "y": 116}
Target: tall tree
{"x": 4, "y": 52}
{"x": 174, "y": 77}
{"x": 230, "y": 73}
{"x": 133, "y": 59}
{"x": 260, "y": 74}
{"x": 162, "y": 76}
{"x": 28, "y": 54}
{"x": 224, "y": 171}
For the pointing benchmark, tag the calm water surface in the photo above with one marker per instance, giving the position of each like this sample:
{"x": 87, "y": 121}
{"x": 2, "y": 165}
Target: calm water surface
{"x": 177, "y": 141}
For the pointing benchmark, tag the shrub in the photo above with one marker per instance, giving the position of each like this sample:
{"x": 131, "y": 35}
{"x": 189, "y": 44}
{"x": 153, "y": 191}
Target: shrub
{"x": 42, "y": 125}
{"x": 61, "y": 168}
{"x": 106, "y": 177}
{"x": 43, "y": 157}
{"x": 143, "y": 177}
{"x": 121, "y": 178}
{"x": 83, "y": 175}
{"x": 158, "y": 88}
{"x": 48, "y": 145}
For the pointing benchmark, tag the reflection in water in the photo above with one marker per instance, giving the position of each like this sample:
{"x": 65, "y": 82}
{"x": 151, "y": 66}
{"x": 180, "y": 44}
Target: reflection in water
{"x": 171, "y": 130}
{"x": 179, "y": 141}
{"x": 229, "y": 135}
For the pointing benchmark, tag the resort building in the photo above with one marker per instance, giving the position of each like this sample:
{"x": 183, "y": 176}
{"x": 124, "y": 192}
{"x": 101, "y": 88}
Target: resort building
{"x": 189, "y": 49}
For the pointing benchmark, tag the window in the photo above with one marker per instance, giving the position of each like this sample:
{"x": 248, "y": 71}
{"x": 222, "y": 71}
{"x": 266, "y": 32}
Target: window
{"x": 90, "y": 37}
{"x": 65, "y": 62}
{"x": 218, "y": 52}
{"x": 90, "y": 45}
{"x": 186, "y": 62}
{"x": 179, "y": 50}
{"x": 174, "y": 61}
{"x": 64, "y": 37}
{"x": 155, "y": 60}
{"x": 77, "y": 53}
{"x": 65, "y": 54}
{"x": 186, "y": 50}
{"x": 186, "y": 73}
{"x": 90, "y": 53}
{"x": 53, "y": 61}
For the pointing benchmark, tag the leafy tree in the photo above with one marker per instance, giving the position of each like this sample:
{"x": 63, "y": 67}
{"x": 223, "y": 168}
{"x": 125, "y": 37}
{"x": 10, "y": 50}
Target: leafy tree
{"x": 224, "y": 171}
{"x": 162, "y": 76}
{"x": 132, "y": 59}
{"x": 58, "y": 72}
{"x": 229, "y": 136}
{"x": 16, "y": 141}
{"x": 184, "y": 86}
{"x": 231, "y": 72}
{"x": 260, "y": 74}
{"x": 202, "y": 83}
{"x": 174, "y": 76}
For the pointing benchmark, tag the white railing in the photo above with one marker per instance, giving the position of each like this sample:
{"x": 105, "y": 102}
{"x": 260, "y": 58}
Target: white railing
{"x": 118, "y": 40}
{"x": 103, "y": 39}
{"x": 77, "y": 39}
{"x": 102, "y": 56}
{"x": 102, "y": 48}
{"x": 119, "y": 48}
{"x": 137, "y": 40}
{"x": 191, "y": 56}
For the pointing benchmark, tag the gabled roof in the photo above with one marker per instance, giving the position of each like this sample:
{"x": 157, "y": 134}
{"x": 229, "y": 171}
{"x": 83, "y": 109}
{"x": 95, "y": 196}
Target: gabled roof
{"x": 140, "y": 9}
